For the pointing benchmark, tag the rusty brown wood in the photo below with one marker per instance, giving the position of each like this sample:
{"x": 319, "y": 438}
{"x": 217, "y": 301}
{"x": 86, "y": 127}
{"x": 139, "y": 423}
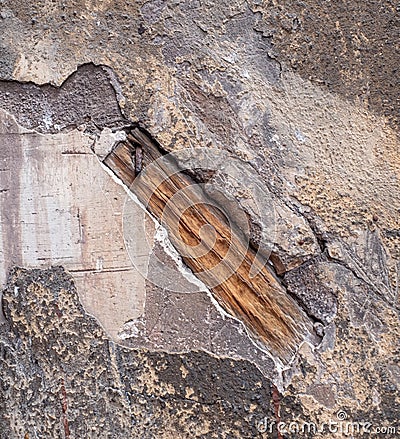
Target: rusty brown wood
{"x": 260, "y": 302}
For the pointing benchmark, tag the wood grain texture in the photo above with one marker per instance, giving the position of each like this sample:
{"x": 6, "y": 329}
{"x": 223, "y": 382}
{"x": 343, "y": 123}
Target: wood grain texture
{"x": 220, "y": 257}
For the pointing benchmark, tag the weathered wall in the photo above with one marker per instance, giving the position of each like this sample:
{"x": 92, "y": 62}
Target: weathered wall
{"x": 307, "y": 95}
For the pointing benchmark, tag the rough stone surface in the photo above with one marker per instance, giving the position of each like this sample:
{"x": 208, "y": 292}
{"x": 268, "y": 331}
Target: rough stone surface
{"x": 86, "y": 99}
{"x": 307, "y": 95}
{"x": 362, "y": 62}
{"x": 62, "y": 377}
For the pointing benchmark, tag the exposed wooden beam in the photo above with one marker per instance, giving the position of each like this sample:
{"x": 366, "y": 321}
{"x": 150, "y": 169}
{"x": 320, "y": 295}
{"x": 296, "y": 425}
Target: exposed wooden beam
{"x": 221, "y": 260}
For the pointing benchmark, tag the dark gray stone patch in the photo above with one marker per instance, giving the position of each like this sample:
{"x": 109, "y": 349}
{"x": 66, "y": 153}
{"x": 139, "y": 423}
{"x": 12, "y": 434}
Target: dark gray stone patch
{"x": 61, "y": 377}
{"x": 310, "y": 284}
{"x": 87, "y": 98}
{"x": 7, "y": 62}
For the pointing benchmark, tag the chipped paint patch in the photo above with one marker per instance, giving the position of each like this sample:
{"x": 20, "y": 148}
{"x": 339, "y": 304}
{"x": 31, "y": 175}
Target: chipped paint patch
{"x": 59, "y": 208}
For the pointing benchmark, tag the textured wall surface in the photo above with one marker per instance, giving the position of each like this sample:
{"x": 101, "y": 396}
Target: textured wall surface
{"x": 307, "y": 95}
